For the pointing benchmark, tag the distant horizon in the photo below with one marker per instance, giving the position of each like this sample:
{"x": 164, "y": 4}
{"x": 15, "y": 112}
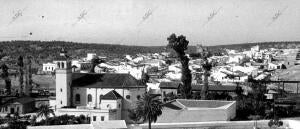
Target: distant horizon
{"x": 298, "y": 42}
{"x": 149, "y": 23}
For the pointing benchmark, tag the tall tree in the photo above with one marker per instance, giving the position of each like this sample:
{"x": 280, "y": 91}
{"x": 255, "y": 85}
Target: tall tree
{"x": 5, "y": 76}
{"x": 45, "y": 111}
{"x": 145, "y": 78}
{"x": 21, "y": 74}
{"x": 179, "y": 45}
{"x": 206, "y": 67}
{"x": 28, "y": 75}
{"x": 149, "y": 108}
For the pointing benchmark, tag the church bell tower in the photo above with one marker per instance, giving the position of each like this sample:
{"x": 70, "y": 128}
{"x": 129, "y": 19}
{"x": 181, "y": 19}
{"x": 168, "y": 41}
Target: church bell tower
{"x": 63, "y": 75}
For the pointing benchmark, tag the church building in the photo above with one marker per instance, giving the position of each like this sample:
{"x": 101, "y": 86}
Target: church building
{"x": 101, "y": 96}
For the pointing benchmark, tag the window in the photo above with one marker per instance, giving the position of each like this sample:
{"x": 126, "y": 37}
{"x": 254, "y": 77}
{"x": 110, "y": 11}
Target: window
{"x": 62, "y": 65}
{"x": 60, "y": 102}
{"x": 77, "y": 98}
{"x": 60, "y": 89}
{"x": 58, "y": 64}
{"x": 18, "y": 109}
{"x": 102, "y": 118}
{"x": 89, "y": 98}
{"x": 94, "y": 118}
{"x": 100, "y": 98}
{"x": 127, "y": 96}
{"x": 108, "y": 106}
{"x": 139, "y": 97}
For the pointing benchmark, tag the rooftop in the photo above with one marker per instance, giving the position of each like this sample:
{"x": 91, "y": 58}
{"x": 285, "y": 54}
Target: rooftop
{"x": 112, "y": 95}
{"x": 104, "y": 80}
{"x": 174, "y": 85}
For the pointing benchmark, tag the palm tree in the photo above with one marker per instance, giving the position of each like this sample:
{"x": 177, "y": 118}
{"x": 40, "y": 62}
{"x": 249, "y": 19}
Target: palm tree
{"x": 149, "y": 107}
{"x": 45, "y": 111}
{"x": 206, "y": 67}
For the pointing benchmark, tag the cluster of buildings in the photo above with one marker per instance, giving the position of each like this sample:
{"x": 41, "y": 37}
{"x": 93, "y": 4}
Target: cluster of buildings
{"x": 116, "y": 85}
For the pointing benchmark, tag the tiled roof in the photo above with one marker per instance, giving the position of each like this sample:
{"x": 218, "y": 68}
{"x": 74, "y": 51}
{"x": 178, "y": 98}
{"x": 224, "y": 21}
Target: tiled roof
{"x": 169, "y": 85}
{"x": 104, "y": 80}
{"x": 112, "y": 95}
{"x": 174, "y": 85}
{"x": 215, "y": 87}
{"x": 23, "y": 100}
{"x": 202, "y": 103}
{"x": 174, "y": 106}
{"x": 77, "y": 126}
{"x": 61, "y": 58}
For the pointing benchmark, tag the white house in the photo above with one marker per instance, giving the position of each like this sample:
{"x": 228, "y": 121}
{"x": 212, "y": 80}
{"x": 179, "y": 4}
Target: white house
{"x": 273, "y": 66}
{"x": 90, "y": 56}
{"x": 49, "y": 67}
{"x": 235, "y": 58}
{"x": 132, "y": 69}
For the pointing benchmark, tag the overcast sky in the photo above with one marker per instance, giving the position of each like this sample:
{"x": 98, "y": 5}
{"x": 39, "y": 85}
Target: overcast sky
{"x": 150, "y": 22}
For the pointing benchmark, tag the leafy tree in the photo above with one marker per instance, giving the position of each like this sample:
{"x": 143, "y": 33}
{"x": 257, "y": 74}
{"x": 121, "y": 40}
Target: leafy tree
{"x": 180, "y": 45}
{"x": 133, "y": 115}
{"x": 258, "y": 97}
{"x": 145, "y": 78}
{"x": 17, "y": 124}
{"x": 275, "y": 123}
{"x": 5, "y": 76}
{"x": 45, "y": 111}
{"x": 95, "y": 61}
{"x": 168, "y": 62}
{"x": 149, "y": 108}
{"x": 33, "y": 120}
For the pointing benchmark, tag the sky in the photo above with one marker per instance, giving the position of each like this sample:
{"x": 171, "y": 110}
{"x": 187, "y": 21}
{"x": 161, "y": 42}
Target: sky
{"x": 150, "y": 22}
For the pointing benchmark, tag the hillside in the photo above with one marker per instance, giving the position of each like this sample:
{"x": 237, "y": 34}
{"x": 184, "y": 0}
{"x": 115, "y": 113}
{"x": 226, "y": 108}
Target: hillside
{"x": 45, "y": 51}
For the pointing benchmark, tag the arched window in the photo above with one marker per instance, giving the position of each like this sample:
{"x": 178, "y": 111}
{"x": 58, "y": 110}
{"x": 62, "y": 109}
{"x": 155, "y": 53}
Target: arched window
{"x": 100, "y": 98}
{"x": 77, "y": 98}
{"x": 89, "y": 98}
{"x": 62, "y": 65}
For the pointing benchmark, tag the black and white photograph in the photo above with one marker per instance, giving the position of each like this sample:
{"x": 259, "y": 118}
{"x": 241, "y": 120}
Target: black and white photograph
{"x": 149, "y": 64}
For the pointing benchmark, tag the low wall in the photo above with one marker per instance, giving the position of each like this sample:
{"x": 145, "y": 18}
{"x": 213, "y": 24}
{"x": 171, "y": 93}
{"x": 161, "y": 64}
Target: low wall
{"x": 262, "y": 124}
